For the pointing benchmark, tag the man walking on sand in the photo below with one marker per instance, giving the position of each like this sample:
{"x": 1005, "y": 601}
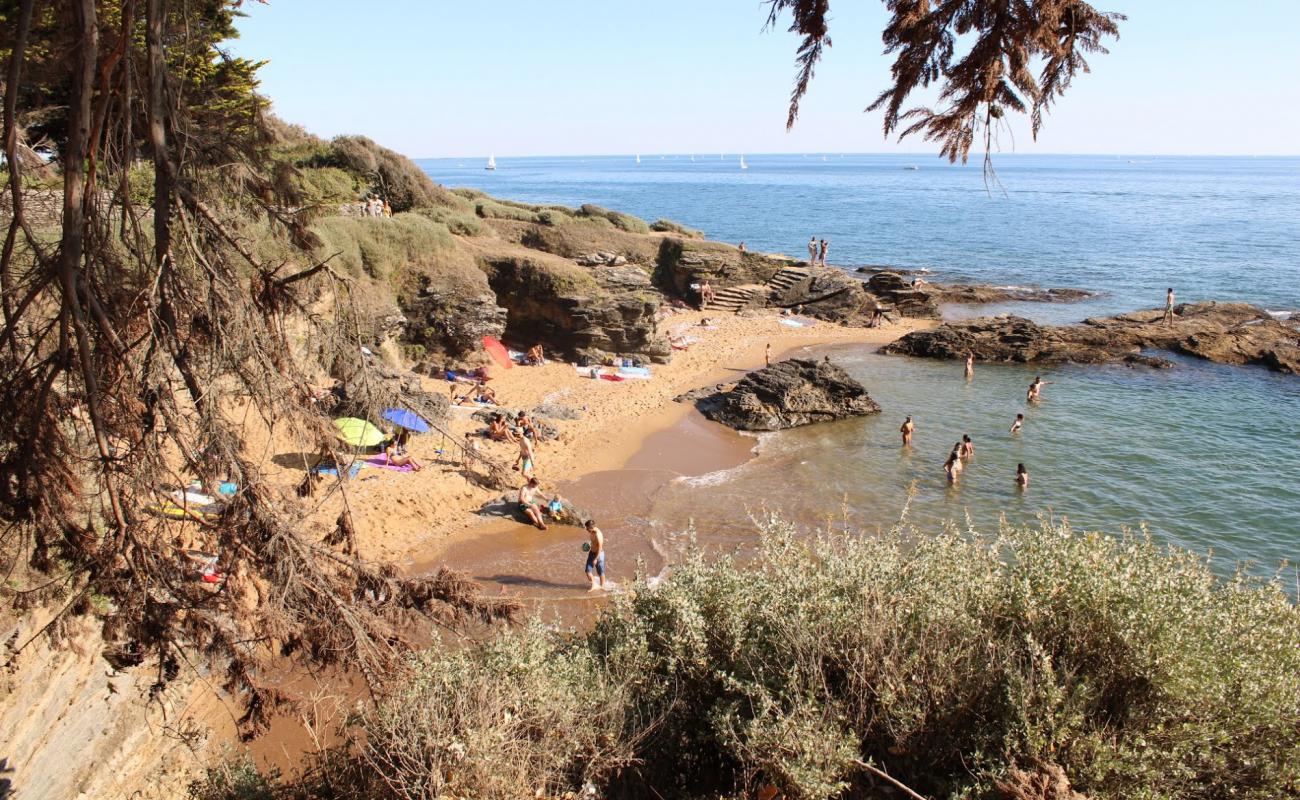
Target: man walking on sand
{"x": 595, "y": 555}
{"x": 812, "y": 251}
{"x": 1169, "y": 306}
{"x": 767, "y": 354}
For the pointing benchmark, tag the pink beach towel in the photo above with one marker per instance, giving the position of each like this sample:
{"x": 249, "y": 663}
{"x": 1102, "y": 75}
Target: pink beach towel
{"x": 382, "y": 463}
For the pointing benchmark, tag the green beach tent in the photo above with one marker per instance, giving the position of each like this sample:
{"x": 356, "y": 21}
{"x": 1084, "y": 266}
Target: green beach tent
{"x": 358, "y": 432}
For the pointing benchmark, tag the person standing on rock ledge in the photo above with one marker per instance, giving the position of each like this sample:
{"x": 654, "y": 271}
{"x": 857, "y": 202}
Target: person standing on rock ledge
{"x": 812, "y": 251}
{"x": 906, "y": 430}
{"x": 1169, "y": 306}
{"x": 822, "y": 257}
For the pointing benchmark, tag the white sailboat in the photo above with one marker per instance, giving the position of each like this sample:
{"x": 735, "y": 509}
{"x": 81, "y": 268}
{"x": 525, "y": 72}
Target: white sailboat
{"x": 638, "y": 158}
{"x": 692, "y": 157}
{"x": 743, "y": 165}
{"x": 492, "y": 162}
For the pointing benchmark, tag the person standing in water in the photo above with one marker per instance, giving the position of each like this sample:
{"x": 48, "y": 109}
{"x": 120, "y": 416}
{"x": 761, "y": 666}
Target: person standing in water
{"x": 1020, "y": 421}
{"x": 1036, "y": 389}
{"x": 812, "y": 251}
{"x": 1169, "y": 306}
{"x": 952, "y": 467}
{"x": 967, "y": 448}
{"x": 906, "y": 430}
{"x": 1022, "y": 476}
{"x": 595, "y": 555}
{"x": 970, "y": 366}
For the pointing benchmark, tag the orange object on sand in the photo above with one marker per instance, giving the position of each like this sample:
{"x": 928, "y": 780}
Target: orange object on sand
{"x": 498, "y": 352}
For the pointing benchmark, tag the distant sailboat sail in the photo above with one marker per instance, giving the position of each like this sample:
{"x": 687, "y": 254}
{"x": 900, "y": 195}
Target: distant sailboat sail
{"x": 743, "y": 165}
{"x": 492, "y": 162}
{"x": 638, "y": 158}
{"x": 692, "y": 157}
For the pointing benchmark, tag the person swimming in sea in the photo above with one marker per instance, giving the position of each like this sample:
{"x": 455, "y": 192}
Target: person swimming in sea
{"x": 1020, "y": 421}
{"x": 966, "y": 448}
{"x": 1022, "y": 476}
{"x": 1036, "y": 389}
{"x": 970, "y": 366}
{"x": 906, "y": 430}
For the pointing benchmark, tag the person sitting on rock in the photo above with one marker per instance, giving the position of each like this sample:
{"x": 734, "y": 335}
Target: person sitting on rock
{"x": 528, "y": 496}
{"x": 524, "y": 426}
{"x": 535, "y": 356}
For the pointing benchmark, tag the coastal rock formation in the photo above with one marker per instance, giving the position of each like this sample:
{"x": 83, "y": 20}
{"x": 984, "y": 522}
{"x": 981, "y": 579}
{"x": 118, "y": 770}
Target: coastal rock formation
{"x": 578, "y": 312}
{"x": 1229, "y": 333}
{"x": 897, "y": 294}
{"x": 786, "y": 395}
{"x": 827, "y": 294}
{"x": 979, "y": 294}
{"x": 683, "y": 262}
{"x": 452, "y": 322}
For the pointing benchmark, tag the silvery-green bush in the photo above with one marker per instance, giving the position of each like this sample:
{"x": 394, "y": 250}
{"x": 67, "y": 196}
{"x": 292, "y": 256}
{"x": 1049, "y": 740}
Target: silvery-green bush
{"x": 963, "y": 666}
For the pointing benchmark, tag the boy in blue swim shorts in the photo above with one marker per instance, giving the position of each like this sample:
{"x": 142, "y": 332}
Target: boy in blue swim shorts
{"x": 595, "y": 556}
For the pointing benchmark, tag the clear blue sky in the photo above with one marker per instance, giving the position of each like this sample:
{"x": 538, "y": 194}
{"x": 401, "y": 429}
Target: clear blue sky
{"x": 521, "y": 77}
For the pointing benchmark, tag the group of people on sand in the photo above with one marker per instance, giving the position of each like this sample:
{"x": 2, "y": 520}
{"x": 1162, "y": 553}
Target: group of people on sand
{"x": 964, "y": 449}
{"x": 817, "y": 251}
{"x": 374, "y": 206}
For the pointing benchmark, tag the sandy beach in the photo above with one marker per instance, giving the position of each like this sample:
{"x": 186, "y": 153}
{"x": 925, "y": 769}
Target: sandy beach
{"x": 412, "y": 517}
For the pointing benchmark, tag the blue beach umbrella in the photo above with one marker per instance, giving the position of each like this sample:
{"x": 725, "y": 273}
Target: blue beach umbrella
{"x": 407, "y": 419}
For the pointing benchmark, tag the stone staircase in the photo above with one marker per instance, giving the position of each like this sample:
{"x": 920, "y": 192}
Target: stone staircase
{"x": 787, "y": 277}
{"x": 734, "y": 298}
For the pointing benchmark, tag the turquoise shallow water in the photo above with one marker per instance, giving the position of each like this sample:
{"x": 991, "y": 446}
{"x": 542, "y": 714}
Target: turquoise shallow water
{"x": 1206, "y": 456}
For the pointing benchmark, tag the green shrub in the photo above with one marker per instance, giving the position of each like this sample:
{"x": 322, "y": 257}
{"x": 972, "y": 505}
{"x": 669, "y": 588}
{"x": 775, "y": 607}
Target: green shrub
{"x": 390, "y": 174}
{"x": 553, "y": 217}
{"x": 328, "y": 185}
{"x": 493, "y": 209}
{"x": 960, "y": 665}
{"x": 526, "y": 714}
{"x": 668, "y": 226}
{"x": 624, "y": 222}
{"x": 461, "y": 223}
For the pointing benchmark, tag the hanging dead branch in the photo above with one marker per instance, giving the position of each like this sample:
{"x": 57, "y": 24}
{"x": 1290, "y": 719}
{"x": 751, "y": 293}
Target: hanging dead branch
{"x": 990, "y": 75}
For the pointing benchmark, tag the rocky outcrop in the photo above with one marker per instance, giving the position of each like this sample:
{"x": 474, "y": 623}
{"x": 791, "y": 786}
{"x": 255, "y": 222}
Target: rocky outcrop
{"x": 1229, "y": 333}
{"x": 979, "y": 294}
{"x": 897, "y": 294}
{"x": 786, "y": 395}
{"x": 451, "y": 321}
{"x": 683, "y": 262}
{"x": 829, "y": 294}
{"x": 578, "y": 312}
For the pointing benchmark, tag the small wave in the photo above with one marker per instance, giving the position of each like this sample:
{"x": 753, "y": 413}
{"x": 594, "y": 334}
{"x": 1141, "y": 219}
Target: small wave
{"x": 1011, "y": 287}
{"x": 1281, "y": 314}
{"x": 715, "y": 478}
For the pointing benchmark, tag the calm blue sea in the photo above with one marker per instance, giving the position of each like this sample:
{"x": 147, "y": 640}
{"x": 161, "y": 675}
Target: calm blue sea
{"x": 1205, "y": 456}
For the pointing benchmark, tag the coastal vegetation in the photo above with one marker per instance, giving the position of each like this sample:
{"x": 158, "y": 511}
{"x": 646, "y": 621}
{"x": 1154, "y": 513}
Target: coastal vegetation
{"x": 1038, "y": 662}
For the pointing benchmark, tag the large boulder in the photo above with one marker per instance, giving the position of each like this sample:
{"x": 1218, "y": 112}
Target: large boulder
{"x": 450, "y": 320}
{"x": 786, "y": 395}
{"x": 897, "y": 293}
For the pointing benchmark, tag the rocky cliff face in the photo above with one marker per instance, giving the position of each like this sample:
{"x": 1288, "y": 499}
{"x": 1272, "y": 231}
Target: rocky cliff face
{"x": 786, "y": 395}
{"x": 683, "y": 262}
{"x": 576, "y": 311}
{"x": 828, "y": 294}
{"x": 71, "y": 726}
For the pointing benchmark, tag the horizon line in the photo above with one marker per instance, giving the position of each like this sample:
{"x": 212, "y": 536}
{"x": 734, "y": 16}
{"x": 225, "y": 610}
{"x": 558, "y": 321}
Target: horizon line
{"x": 934, "y": 155}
